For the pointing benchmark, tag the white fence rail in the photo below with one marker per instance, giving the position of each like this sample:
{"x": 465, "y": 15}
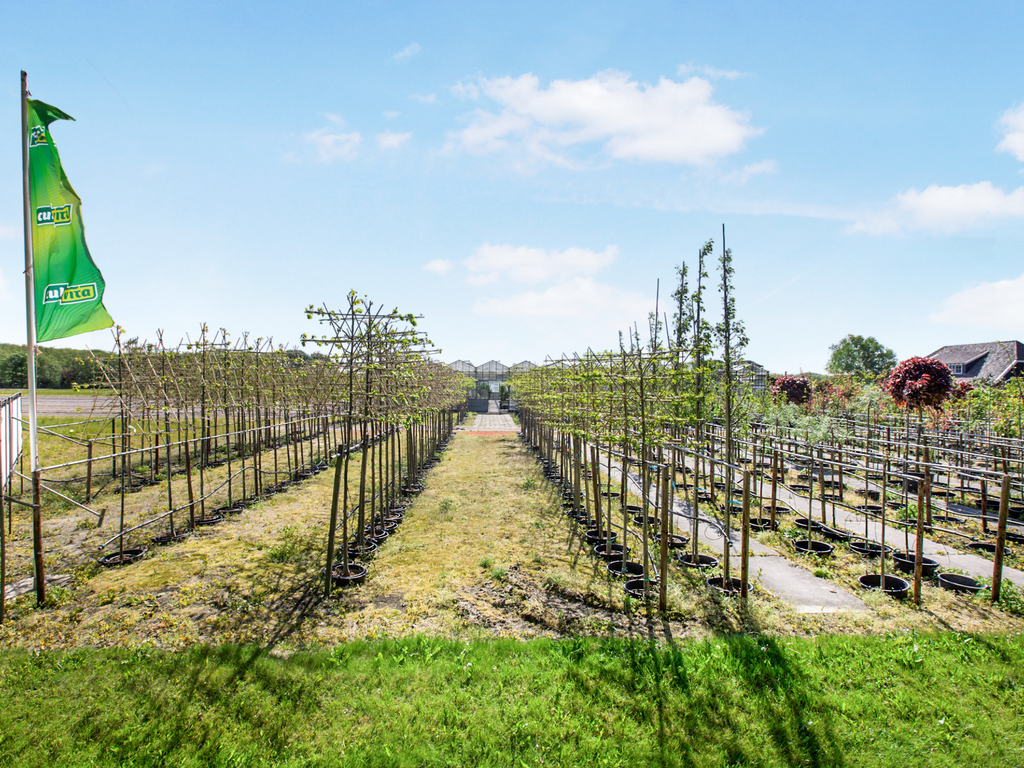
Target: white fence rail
{"x": 10, "y": 436}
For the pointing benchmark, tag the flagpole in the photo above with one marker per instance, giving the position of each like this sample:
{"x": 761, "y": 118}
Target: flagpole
{"x": 30, "y": 310}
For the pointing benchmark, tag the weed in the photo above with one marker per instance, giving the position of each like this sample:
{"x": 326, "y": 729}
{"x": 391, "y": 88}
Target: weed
{"x": 498, "y": 573}
{"x": 486, "y": 562}
{"x": 529, "y": 484}
{"x": 447, "y": 506}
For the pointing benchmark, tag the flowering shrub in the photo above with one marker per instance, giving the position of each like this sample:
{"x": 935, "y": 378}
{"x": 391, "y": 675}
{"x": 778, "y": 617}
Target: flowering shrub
{"x": 920, "y": 382}
{"x": 795, "y": 390}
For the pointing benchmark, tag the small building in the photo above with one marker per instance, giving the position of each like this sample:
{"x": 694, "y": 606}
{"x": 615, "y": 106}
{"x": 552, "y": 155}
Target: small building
{"x": 994, "y": 362}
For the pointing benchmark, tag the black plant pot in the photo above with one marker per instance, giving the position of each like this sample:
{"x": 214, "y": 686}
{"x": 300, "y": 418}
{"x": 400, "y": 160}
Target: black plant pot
{"x": 762, "y": 523}
{"x": 868, "y": 548}
{"x": 163, "y": 539}
{"x": 702, "y": 561}
{"x": 873, "y": 508}
{"x": 234, "y": 509}
{"x": 904, "y": 563}
{"x": 953, "y": 520}
{"x": 1014, "y": 538}
{"x": 835, "y": 534}
{"x": 357, "y": 573}
{"x": 894, "y": 586}
{"x": 954, "y": 582}
{"x": 625, "y": 568}
{"x": 635, "y": 588}
{"x": 366, "y": 552}
{"x": 651, "y": 520}
{"x": 988, "y": 546}
{"x": 808, "y": 547}
{"x": 210, "y": 519}
{"x": 593, "y": 537}
{"x": 610, "y": 552}
{"x": 803, "y": 522}
{"x": 127, "y": 557}
{"x": 675, "y": 540}
{"x": 730, "y": 587}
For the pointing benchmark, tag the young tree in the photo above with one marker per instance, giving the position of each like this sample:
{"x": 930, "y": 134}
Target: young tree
{"x": 856, "y": 354}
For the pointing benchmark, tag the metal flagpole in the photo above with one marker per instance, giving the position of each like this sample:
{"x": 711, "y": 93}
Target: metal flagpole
{"x": 30, "y": 309}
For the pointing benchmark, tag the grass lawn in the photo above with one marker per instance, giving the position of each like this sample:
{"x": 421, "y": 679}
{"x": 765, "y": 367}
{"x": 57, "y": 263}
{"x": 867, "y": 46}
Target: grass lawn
{"x": 890, "y": 700}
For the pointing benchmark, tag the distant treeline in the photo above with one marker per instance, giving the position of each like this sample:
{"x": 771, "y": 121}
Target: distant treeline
{"x": 55, "y": 368}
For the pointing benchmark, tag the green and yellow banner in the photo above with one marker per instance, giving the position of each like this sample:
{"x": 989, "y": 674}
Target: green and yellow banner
{"x": 68, "y": 286}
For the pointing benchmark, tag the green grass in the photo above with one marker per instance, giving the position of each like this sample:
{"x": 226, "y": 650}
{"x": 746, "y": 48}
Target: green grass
{"x": 894, "y": 700}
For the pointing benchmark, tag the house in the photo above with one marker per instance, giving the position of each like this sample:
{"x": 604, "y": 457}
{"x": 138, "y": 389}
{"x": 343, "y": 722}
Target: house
{"x": 994, "y": 362}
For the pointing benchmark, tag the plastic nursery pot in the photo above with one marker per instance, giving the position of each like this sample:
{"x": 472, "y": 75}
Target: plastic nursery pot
{"x": 730, "y": 587}
{"x": 357, "y": 573}
{"x": 610, "y": 552}
{"x": 954, "y": 582}
{"x": 634, "y": 509}
{"x": 866, "y": 548}
{"x": 394, "y": 519}
{"x": 762, "y": 523}
{"x": 701, "y": 561}
{"x": 803, "y": 522}
{"x": 875, "y": 508}
{"x": 375, "y": 538}
{"x": 365, "y": 552}
{"x": 799, "y": 488}
{"x": 163, "y": 539}
{"x": 952, "y": 519}
{"x": 127, "y": 557}
{"x": 412, "y": 489}
{"x": 635, "y": 588}
{"x": 651, "y": 520}
{"x": 894, "y": 586}
{"x": 835, "y": 534}
{"x": 807, "y": 547}
{"x": 234, "y": 509}
{"x": 988, "y": 546}
{"x": 1014, "y": 538}
{"x": 210, "y": 519}
{"x": 904, "y": 563}
{"x": 593, "y": 537}
{"x": 625, "y": 568}
{"x": 675, "y": 540}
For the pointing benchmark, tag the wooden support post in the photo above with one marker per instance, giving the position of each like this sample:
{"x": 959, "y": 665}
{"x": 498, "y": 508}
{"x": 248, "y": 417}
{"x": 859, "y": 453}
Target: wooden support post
{"x": 745, "y": 539}
{"x": 88, "y": 475}
{"x": 997, "y": 564}
{"x": 919, "y": 546}
{"x": 663, "y": 566}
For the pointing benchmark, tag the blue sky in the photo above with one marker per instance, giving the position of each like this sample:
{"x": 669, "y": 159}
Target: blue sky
{"x": 523, "y": 176}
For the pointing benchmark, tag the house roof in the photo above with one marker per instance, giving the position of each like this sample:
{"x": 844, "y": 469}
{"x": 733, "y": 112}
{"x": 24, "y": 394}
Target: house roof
{"x": 1000, "y": 357}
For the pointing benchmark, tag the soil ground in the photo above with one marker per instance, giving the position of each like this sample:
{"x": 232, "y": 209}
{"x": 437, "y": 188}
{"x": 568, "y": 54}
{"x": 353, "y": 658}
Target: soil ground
{"x": 484, "y": 551}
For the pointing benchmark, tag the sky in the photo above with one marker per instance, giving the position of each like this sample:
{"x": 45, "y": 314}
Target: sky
{"x": 523, "y": 175}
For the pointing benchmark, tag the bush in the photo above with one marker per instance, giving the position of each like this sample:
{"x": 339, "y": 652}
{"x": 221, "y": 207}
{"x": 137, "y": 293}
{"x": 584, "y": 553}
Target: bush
{"x": 796, "y": 390}
{"x": 920, "y": 382}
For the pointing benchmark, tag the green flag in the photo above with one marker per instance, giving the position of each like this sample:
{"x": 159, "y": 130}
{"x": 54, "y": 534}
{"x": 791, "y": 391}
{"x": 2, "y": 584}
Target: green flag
{"x": 68, "y": 286}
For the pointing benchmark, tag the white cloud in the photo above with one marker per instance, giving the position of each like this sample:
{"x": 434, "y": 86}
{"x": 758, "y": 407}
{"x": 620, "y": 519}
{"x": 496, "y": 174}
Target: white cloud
{"x": 990, "y": 306}
{"x": 951, "y": 209}
{"x": 391, "y": 114}
{"x": 464, "y": 90}
{"x": 430, "y": 98}
{"x": 601, "y": 306}
{"x": 1012, "y": 123}
{"x": 712, "y": 72}
{"x": 390, "y": 140}
{"x": 525, "y": 265}
{"x": 669, "y": 121}
{"x": 439, "y": 266}
{"x": 946, "y": 209}
{"x": 407, "y": 53}
{"x": 748, "y": 172}
{"x": 334, "y": 146}
{"x": 336, "y": 119}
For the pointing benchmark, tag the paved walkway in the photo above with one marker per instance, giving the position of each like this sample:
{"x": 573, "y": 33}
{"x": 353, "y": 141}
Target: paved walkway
{"x": 491, "y": 422}
{"x": 775, "y": 573}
